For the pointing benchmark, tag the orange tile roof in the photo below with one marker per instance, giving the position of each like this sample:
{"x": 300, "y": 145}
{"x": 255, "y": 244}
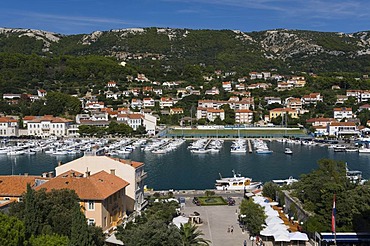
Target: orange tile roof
{"x": 243, "y": 111}
{"x": 7, "y": 119}
{"x": 134, "y": 164}
{"x": 342, "y": 124}
{"x": 98, "y": 186}
{"x": 29, "y": 117}
{"x": 15, "y": 186}
{"x": 50, "y": 118}
{"x": 342, "y": 109}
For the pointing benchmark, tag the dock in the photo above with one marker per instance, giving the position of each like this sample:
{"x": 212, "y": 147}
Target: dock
{"x": 250, "y": 146}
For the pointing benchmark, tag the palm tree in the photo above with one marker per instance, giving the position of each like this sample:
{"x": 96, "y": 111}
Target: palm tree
{"x": 190, "y": 235}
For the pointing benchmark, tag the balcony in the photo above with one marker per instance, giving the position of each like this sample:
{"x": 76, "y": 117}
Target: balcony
{"x": 144, "y": 175}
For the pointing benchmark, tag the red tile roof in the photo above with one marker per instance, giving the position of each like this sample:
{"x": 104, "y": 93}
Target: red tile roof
{"x": 15, "y": 186}
{"x": 98, "y": 186}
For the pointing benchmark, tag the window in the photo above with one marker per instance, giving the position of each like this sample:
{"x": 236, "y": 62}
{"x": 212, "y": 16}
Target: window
{"x": 91, "y": 222}
{"x": 91, "y": 205}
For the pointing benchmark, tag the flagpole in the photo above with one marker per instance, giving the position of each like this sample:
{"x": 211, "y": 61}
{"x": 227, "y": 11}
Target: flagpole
{"x": 333, "y": 221}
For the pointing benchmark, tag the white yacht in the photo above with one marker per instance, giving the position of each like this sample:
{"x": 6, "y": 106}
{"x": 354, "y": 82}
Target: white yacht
{"x": 237, "y": 182}
{"x": 364, "y": 150}
{"x": 288, "y": 181}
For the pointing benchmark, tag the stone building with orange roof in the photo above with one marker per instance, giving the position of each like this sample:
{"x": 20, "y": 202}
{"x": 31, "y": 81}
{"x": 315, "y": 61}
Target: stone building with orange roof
{"x": 131, "y": 171}
{"x": 48, "y": 125}
{"x": 102, "y": 195}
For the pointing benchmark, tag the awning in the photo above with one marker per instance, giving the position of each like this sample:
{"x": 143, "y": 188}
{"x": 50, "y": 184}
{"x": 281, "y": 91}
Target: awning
{"x": 298, "y": 236}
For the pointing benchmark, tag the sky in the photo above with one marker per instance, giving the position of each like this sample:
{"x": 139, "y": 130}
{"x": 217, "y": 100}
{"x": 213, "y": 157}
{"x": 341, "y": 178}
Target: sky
{"x": 86, "y": 16}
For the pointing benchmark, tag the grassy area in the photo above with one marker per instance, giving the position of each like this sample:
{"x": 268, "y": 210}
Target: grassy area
{"x": 253, "y": 132}
{"x": 211, "y": 200}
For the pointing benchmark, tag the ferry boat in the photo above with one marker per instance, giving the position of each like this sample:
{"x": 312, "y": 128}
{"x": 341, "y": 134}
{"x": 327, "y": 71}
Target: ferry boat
{"x": 237, "y": 182}
{"x": 288, "y": 151}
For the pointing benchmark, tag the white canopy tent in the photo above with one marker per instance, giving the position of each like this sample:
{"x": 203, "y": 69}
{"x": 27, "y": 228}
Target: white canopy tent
{"x": 274, "y": 220}
{"x": 298, "y": 236}
{"x": 179, "y": 220}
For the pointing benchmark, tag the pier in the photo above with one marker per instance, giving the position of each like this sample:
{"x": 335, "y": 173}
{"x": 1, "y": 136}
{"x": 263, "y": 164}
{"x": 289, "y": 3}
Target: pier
{"x": 250, "y": 146}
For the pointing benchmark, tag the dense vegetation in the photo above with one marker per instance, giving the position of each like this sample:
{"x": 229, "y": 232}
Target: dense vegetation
{"x": 48, "y": 218}
{"x": 153, "y": 227}
{"x": 316, "y": 191}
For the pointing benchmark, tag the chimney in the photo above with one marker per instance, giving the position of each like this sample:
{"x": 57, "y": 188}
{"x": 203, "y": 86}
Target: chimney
{"x": 113, "y": 171}
{"x": 129, "y": 162}
{"x": 87, "y": 173}
{"x": 26, "y": 174}
{"x": 59, "y": 163}
{"x": 51, "y": 175}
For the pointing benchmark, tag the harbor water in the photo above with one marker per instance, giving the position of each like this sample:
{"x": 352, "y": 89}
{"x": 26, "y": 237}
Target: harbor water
{"x": 181, "y": 169}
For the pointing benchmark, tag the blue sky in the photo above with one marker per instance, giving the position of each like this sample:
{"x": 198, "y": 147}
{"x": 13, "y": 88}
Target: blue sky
{"x": 86, "y": 16}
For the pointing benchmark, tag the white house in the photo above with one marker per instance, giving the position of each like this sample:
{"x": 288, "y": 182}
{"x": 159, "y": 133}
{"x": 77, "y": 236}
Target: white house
{"x": 165, "y": 102}
{"x": 227, "y": 86}
{"x": 133, "y": 120}
{"x": 212, "y": 114}
{"x": 130, "y": 171}
{"x": 148, "y": 102}
{"x": 41, "y": 93}
{"x": 342, "y": 128}
{"x": 271, "y": 100}
{"x": 136, "y": 103}
{"x": 8, "y": 127}
{"x": 111, "y": 84}
{"x": 341, "y": 113}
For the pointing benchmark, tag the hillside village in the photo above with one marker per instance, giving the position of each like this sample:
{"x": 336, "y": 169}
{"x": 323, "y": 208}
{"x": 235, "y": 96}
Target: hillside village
{"x": 145, "y": 105}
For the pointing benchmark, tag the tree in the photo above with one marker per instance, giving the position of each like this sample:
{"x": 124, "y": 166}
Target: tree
{"x": 190, "y": 235}
{"x": 270, "y": 189}
{"x": 79, "y": 230}
{"x": 49, "y": 240}
{"x": 12, "y": 231}
{"x": 252, "y": 215}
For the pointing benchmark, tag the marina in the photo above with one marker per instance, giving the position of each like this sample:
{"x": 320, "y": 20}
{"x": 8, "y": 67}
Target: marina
{"x": 170, "y": 164}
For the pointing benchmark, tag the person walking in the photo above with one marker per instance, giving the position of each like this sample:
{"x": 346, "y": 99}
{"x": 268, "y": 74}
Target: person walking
{"x": 245, "y": 243}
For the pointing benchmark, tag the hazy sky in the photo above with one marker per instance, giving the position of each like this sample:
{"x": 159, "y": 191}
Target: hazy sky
{"x": 86, "y": 16}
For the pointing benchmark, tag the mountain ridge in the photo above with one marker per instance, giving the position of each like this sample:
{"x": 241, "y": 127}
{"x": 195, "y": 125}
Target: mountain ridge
{"x": 302, "y": 49}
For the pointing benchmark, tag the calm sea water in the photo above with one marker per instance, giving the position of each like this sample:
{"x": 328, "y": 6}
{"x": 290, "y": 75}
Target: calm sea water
{"x": 181, "y": 169}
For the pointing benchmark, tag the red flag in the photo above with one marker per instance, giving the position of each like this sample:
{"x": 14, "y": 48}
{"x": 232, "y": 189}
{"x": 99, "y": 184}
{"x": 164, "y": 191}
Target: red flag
{"x": 333, "y": 214}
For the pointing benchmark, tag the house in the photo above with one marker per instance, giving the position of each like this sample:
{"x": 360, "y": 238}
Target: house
{"x": 243, "y": 116}
{"x": 274, "y": 113}
{"x": 111, "y": 84}
{"x": 341, "y": 99}
{"x": 11, "y": 96}
{"x": 136, "y": 103}
{"x": 12, "y": 187}
{"x": 150, "y": 123}
{"x": 321, "y": 131}
{"x": 165, "y": 102}
{"x": 141, "y": 78}
{"x": 283, "y": 86}
{"x": 176, "y": 111}
{"x": 128, "y": 170}
{"x": 133, "y": 120}
{"x": 8, "y": 127}
{"x": 48, "y": 125}
{"x": 365, "y": 96}
{"x": 41, "y": 93}
{"x": 240, "y": 87}
{"x": 112, "y": 95}
{"x": 294, "y": 103}
{"x": 148, "y": 102}
{"x": 213, "y": 91}
{"x": 102, "y": 195}
{"x": 339, "y": 129}
{"x": 320, "y": 121}
{"x": 343, "y": 113}
{"x": 158, "y": 91}
{"x": 94, "y": 105}
{"x": 212, "y": 114}
{"x": 312, "y": 98}
{"x": 364, "y": 107}
{"x": 272, "y": 100}
{"x": 227, "y": 86}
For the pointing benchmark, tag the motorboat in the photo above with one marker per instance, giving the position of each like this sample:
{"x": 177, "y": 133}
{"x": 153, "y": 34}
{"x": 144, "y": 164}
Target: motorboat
{"x": 264, "y": 151}
{"x": 199, "y": 151}
{"x": 339, "y": 148}
{"x": 282, "y": 182}
{"x": 352, "y": 149}
{"x": 237, "y": 182}
{"x": 288, "y": 151}
{"x": 364, "y": 150}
